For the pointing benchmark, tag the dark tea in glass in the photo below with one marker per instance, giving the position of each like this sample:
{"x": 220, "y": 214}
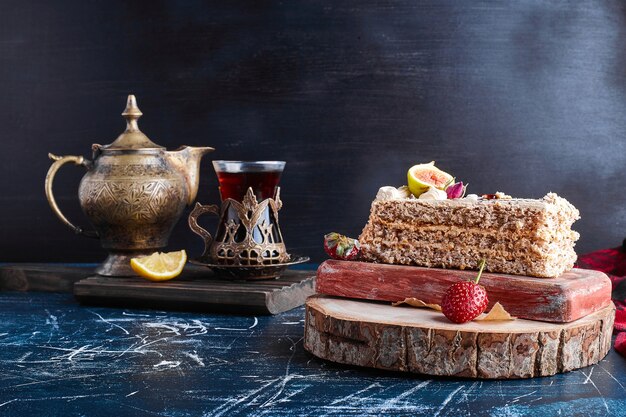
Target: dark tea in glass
{"x": 235, "y": 177}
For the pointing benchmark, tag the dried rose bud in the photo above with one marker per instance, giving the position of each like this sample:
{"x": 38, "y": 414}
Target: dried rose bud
{"x": 456, "y": 190}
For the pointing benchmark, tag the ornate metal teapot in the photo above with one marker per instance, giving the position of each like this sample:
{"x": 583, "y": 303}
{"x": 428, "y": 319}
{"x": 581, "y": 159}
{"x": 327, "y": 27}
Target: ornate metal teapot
{"x": 133, "y": 193}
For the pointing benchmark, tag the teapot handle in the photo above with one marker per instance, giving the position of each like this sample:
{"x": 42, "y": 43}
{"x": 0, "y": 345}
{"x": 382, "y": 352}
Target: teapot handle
{"x": 198, "y": 211}
{"x": 58, "y": 162}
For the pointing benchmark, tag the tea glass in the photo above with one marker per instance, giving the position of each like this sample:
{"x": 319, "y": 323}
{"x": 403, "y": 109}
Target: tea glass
{"x": 235, "y": 177}
{"x": 248, "y": 234}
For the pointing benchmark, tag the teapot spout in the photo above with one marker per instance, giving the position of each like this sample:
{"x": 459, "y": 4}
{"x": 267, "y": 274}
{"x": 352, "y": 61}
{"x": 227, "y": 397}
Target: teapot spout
{"x": 186, "y": 160}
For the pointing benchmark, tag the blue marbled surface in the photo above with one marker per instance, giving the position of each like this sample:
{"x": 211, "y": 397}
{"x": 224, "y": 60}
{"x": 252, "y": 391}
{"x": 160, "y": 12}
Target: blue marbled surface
{"x": 62, "y": 359}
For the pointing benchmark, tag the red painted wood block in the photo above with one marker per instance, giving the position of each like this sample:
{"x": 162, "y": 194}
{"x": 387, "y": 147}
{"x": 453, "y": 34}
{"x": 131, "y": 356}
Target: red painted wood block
{"x": 575, "y": 294}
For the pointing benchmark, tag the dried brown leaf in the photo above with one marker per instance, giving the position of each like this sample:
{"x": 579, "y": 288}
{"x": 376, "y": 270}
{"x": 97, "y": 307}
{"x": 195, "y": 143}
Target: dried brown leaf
{"x": 414, "y": 302}
{"x": 497, "y": 313}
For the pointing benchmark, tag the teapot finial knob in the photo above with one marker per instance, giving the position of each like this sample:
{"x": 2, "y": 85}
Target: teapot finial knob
{"x": 132, "y": 114}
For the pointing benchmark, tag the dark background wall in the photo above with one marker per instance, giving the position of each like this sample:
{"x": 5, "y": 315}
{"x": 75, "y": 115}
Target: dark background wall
{"x": 523, "y": 97}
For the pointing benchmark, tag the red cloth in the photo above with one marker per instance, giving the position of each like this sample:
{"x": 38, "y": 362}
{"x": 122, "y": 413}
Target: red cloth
{"x": 613, "y": 263}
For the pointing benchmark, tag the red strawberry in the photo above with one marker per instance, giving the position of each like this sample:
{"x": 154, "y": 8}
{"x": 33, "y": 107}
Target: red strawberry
{"x": 464, "y": 301}
{"x": 341, "y": 247}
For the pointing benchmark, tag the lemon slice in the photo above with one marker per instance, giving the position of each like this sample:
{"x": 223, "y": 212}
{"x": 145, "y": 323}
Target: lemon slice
{"x": 160, "y": 266}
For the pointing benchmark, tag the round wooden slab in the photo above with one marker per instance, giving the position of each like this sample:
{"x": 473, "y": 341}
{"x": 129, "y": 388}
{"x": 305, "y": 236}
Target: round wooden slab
{"x": 423, "y": 341}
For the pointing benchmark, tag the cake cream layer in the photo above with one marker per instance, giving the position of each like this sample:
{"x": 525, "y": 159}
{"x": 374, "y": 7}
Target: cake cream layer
{"x": 516, "y": 236}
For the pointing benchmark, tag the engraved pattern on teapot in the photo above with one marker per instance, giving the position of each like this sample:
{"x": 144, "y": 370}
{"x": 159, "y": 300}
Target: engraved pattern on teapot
{"x": 131, "y": 170}
{"x": 149, "y": 201}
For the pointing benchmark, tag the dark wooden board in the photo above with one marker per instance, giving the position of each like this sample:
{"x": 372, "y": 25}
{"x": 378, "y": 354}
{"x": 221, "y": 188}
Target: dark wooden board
{"x": 42, "y": 276}
{"x": 575, "y": 294}
{"x": 198, "y": 289}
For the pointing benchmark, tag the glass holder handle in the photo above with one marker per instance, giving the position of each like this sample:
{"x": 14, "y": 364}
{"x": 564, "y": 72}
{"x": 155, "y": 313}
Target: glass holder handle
{"x": 198, "y": 211}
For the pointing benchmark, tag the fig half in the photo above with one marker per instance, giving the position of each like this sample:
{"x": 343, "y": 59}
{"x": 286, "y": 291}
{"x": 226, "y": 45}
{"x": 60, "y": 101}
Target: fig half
{"x": 423, "y": 176}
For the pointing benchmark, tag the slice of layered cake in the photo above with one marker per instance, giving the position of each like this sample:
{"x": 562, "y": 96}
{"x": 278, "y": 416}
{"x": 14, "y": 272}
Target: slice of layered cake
{"x": 516, "y": 236}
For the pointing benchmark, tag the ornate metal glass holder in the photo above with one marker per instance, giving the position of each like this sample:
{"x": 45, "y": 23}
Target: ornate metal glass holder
{"x": 244, "y": 236}
{"x": 248, "y": 243}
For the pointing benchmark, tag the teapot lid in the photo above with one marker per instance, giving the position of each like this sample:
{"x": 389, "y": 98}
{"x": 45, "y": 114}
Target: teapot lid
{"x": 132, "y": 138}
